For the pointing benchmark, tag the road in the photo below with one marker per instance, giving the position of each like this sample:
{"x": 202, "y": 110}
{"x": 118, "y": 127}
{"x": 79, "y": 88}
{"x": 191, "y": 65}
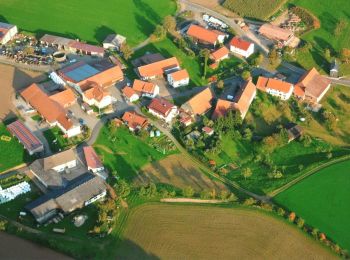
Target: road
{"x": 229, "y": 21}
{"x": 343, "y": 82}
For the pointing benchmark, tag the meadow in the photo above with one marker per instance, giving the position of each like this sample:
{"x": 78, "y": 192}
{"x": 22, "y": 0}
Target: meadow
{"x": 173, "y": 231}
{"x": 12, "y": 152}
{"x": 89, "y": 20}
{"x": 323, "y": 200}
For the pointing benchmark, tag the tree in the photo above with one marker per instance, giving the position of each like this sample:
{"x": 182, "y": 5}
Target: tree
{"x": 246, "y": 75}
{"x": 329, "y": 155}
{"x": 188, "y": 192}
{"x": 345, "y": 55}
{"x": 273, "y": 56}
{"x": 232, "y": 197}
{"x": 204, "y": 53}
{"x": 300, "y": 167}
{"x": 327, "y": 54}
{"x": 220, "y": 84}
{"x": 169, "y": 23}
{"x": 291, "y": 217}
{"x": 123, "y": 188}
{"x": 248, "y": 134}
{"x": 246, "y": 173}
{"x": 159, "y": 33}
{"x": 340, "y": 27}
{"x": 249, "y": 202}
{"x": 126, "y": 50}
{"x": 314, "y": 232}
{"x": 205, "y": 194}
{"x": 281, "y": 212}
{"x": 300, "y": 222}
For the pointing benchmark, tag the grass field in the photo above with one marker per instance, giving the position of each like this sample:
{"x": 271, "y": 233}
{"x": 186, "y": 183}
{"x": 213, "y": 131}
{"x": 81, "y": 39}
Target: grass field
{"x": 91, "y": 20}
{"x": 323, "y": 200}
{"x": 256, "y": 9}
{"x": 199, "y": 232}
{"x": 12, "y": 153}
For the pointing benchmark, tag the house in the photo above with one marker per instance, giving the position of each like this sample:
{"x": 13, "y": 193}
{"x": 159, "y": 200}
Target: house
{"x": 334, "y": 70}
{"x": 241, "y": 103}
{"x": 93, "y": 162}
{"x": 312, "y": 86}
{"x": 134, "y": 121}
{"x": 30, "y": 142}
{"x": 114, "y": 41}
{"x": 145, "y": 89}
{"x": 85, "y": 190}
{"x": 95, "y": 95}
{"x": 7, "y": 32}
{"x": 185, "y": 119}
{"x": 275, "y": 33}
{"x": 158, "y": 68}
{"x": 206, "y": 36}
{"x": 178, "y": 78}
{"x": 208, "y": 130}
{"x": 130, "y": 94}
{"x": 72, "y": 45}
{"x": 103, "y": 73}
{"x": 51, "y": 111}
{"x": 163, "y": 109}
{"x": 60, "y": 161}
{"x": 65, "y": 98}
{"x": 275, "y": 87}
{"x": 241, "y": 47}
{"x": 294, "y": 132}
{"x": 199, "y": 104}
{"x": 220, "y": 54}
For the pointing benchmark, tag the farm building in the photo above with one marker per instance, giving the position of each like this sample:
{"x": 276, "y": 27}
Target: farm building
{"x": 275, "y": 87}
{"x": 12, "y": 192}
{"x": 94, "y": 163}
{"x": 72, "y": 45}
{"x": 275, "y": 33}
{"x": 178, "y": 78}
{"x": 114, "y": 41}
{"x": 199, "y": 104}
{"x": 241, "y": 103}
{"x": 241, "y": 47}
{"x": 312, "y": 86}
{"x": 220, "y": 54}
{"x": 7, "y": 32}
{"x": 134, "y": 121}
{"x": 65, "y": 98}
{"x": 53, "y": 112}
{"x": 294, "y": 132}
{"x": 145, "y": 89}
{"x": 30, "y": 142}
{"x": 163, "y": 109}
{"x": 206, "y": 36}
{"x": 158, "y": 68}
{"x": 130, "y": 94}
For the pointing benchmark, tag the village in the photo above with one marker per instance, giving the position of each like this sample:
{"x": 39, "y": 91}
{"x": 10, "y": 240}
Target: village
{"x": 155, "y": 97}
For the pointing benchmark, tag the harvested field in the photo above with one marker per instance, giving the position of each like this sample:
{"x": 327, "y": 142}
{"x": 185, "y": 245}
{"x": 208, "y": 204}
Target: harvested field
{"x": 12, "y": 79}
{"x": 215, "y": 5}
{"x": 178, "y": 171}
{"x": 199, "y": 232}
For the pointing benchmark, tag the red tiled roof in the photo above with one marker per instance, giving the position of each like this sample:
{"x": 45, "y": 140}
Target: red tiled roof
{"x": 207, "y": 130}
{"x": 261, "y": 84}
{"x": 134, "y": 120}
{"x": 275, "y": 32}
{"x": 219, "y": 54}
{"x": 244, "y": 97}
{"x": 129, "y": 92}
{"x": 86, "y": 47}
{"x": 180, "y": 75}
{"x": 105, "y": 78}
{"x": 222, "y": 107}
{"x": 203, "y": 34}
{"x": 158, "y": 68}
{"x": 143, "y": 86}
{"x": 64, "y": 98}
{"x": 96, "y": 92}
{"x": 200, "y": 103}
{"x": 161, "y": 106}
{"x": 240, "y": 43}
{"x": 92, "y": 160}
{"x": 279, "y": 85}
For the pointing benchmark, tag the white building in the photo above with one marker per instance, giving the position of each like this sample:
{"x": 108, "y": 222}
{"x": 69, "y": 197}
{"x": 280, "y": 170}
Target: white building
{"x": 241, "y": 47}
{"x": 7, "y": 32}
{"x": 178, "y": 78}
{"x": 60, "y": 161}
{"x": 163, "y": 109}
{"x": 97, "y": 96}
{"x": 275, "y": 87}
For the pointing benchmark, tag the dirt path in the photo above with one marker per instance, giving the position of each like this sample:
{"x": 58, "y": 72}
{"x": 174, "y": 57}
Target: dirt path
{"x": 189, "y": 200}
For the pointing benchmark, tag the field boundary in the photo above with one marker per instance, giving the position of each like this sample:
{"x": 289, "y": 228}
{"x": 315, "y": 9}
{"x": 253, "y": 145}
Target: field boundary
{"x": 13, "y": 168}
{"x": 190, "y": 200}
{"x": 307, "y": 174}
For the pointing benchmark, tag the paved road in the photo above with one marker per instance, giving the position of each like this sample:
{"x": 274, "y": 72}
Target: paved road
{"x": 343, "y": 82}
{"x": 229, "y": 21}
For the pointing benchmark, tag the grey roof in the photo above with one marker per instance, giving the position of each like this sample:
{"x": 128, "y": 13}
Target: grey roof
{"x": 6, "y": 25}
{"x": 58, "y": 159}
{"x": 115, "y": 39}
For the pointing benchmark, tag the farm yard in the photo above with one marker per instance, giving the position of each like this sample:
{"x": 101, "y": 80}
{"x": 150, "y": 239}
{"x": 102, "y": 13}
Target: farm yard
{"x": 12, "y": 152}
{"x": 173, "y": 231}
{"x": 135, "y": 19}
{"x": 323, "y": 200}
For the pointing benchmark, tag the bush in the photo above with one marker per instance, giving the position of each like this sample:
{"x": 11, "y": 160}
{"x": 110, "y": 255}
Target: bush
{"x": 281, "y": 212}
{"x": 300, "y": 222}
{"x": 188, "y": 192}
{"x": 249, "y": 202}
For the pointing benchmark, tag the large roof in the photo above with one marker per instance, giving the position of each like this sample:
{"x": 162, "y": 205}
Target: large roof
{"x": 180, "y": 75}
{"x": 313, "y": 83}
{"x": 86, "y": 47}
{"x": 78, "y": 72}
{"x": 95, "y": 92}
{"x": 58, "y": 159}
{"x": 200, "y": 103}
{"x": 64, "y": 98}
{"x": 275, "y": 32}
{"x": 24, "y": 135}
{"x": 92, "y": 160}
{"x": 158, "y": 68}
{"x": 222, "y": 107}
{"x": 240, "y": 43}
{"x": 161, "y": 106}
{"x": 129, "y": 92}
{"x": 203, "y": 34}
{"x": 275, "y": 84}
{"x": 143, "y": 86}
{"x": 134, "y": 120}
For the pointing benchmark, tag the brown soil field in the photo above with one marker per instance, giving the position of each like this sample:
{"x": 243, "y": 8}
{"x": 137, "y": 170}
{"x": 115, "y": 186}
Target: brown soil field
{"x": 198, "y": 232}
{"x": 12, "y": 247}
{"x": 178, "y": 171}
{"x": 11, "y": 80}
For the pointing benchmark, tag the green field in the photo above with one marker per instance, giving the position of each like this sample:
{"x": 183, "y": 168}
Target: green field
{"x": 12, "y": 153}
{"x": 124, "y": 153}
{"x": 89, "y": 20}
{"x": 158, "y": 231}
{"x": 323, "y": 200}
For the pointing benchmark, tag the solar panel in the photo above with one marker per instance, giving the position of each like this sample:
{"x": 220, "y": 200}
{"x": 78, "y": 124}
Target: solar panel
{"x": 82, "y": 72}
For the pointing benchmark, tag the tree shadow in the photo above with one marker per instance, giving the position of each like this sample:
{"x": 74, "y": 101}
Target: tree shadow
{"x": 144, "y": 25}
{"x": 101, "y": 33}
{"x": 128, "y": 250}
{"x": 3, "y": 19}
{"x": 329, "y": 22}
{"x": 148, "y": 11}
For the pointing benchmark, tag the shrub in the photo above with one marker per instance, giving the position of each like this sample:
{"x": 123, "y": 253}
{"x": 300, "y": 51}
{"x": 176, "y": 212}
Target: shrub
{"x": 300, "y": 222}
{"x": 291, "y": 217}
{"x": 188, "y": 192}
{"x": 249, "y": 202}
{"x": 281, "y": 212}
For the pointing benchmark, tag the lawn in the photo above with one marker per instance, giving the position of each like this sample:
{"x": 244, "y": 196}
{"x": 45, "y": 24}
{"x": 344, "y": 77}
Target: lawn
{"x": 12, "y": 152}
{"x": 91, "y": 21}
{"x": 123, "y": 153}
{"x": 168, "y": 49}
{"x": 323, "y": 200}
{"x": 182, "y": 232}
{"x": 329, "y": 13}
